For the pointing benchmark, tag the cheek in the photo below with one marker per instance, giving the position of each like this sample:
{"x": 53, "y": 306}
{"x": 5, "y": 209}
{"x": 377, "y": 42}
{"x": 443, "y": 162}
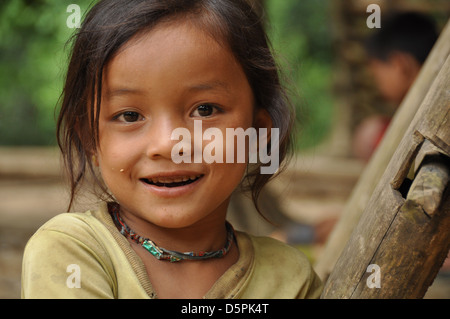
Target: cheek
{"x": 389, "y": 81}
{"x": 114, "y": 157}
{"x": 391, "y": 88}
{"x": 227, "y": 177}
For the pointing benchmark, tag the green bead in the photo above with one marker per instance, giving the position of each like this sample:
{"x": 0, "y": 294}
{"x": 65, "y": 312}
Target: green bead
{"x": 152, "y": 249}
{"x": 174, "y": 259}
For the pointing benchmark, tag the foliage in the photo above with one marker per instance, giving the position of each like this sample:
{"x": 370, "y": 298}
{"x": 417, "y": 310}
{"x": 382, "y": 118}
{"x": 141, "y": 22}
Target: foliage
{"x": 301, "y": 37}
{"x": 33, "y": 34}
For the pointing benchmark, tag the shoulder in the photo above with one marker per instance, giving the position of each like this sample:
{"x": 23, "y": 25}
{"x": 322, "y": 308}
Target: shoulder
{"x": 69, "y": 223}
{"x": 267, "y": 246}
{"x": 272, "y": 253}
{"x": 64, "y": 241}
{"x": 81, "y": 229}
{"x": 86, "y": 228}
{"x": 283, "y": 270}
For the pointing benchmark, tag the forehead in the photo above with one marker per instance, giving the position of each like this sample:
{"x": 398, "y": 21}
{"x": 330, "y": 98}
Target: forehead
{"x": 173, "y": 54}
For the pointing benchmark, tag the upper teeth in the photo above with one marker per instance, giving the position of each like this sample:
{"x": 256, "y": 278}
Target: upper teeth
{"x": 176, "y": 179}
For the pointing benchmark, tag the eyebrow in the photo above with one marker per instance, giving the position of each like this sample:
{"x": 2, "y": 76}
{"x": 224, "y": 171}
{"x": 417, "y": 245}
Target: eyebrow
{"x": 213, "y": 85}
{"x": 123, "y": 91}
{"x": 207, "y": 86}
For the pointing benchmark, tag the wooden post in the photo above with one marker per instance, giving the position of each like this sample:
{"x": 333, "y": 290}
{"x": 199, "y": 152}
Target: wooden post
{"x": 379, "y": 161}
{"x": 404, "y": 240}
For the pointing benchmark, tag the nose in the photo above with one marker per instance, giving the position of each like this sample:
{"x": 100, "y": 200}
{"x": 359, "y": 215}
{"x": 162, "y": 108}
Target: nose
{"x": 159, "y": 141}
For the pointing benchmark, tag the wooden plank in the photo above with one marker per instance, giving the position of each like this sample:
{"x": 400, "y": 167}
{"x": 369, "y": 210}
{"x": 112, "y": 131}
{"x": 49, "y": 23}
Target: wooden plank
{"x": 383, "y": 234}
{"x": 376, "y": 167}
{"x": 429, "y": 185}
{"x": 406, "y": 269}
{"x": 408, "y": 264}
{"x": 443, "y": 134}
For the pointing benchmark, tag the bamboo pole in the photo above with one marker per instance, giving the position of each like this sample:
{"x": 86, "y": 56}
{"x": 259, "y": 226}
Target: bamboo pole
{"x": 404, "y": 240}
{"x": 379, "y": 161}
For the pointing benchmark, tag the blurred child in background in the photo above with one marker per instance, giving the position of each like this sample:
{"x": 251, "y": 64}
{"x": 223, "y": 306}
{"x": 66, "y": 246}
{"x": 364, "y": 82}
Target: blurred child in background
{"x": 396, "y": 53}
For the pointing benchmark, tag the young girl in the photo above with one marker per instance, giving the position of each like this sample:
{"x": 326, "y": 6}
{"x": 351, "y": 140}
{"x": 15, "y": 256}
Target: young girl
{"x": 138, "y": 71}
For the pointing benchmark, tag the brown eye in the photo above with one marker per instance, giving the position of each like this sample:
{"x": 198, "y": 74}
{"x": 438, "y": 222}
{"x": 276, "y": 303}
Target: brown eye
{"x": 129, "y": 117}
{"x": 204, "y": 110}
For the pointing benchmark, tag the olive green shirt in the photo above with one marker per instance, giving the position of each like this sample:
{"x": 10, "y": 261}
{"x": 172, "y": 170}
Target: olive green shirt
{"x": 83, "y": 255}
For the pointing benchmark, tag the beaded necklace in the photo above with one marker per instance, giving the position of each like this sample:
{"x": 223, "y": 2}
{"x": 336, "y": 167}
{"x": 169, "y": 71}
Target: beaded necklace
{"x": 165, "y": 254}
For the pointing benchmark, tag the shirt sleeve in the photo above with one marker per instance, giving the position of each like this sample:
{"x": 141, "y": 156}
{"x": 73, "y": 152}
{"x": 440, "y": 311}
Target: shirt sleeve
{"x": 63, "y": 260}
{"x": 281, "y": 272}
{"x": 313, "y": 286}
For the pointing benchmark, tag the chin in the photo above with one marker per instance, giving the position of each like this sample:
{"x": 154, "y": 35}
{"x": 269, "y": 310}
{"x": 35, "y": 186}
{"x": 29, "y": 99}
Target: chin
{"x": 175, "y": 220}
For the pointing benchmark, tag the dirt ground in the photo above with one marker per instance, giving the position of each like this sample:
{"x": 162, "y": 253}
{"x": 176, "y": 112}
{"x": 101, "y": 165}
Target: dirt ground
{"x": 32, "y": 192}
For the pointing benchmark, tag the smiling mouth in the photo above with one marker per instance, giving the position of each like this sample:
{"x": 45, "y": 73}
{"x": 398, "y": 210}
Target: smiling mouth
{"x": 171, "y": 181}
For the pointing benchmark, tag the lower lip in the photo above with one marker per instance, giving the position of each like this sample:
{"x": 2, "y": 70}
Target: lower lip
{"x": 170, "y": 192}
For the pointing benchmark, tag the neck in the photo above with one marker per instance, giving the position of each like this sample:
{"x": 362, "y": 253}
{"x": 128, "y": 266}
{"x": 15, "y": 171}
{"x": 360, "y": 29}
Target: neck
{"x": 208, "y": 234}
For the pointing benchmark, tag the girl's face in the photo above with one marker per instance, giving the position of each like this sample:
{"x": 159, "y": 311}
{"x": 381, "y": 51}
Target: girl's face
{"x": 161, "y": 81}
